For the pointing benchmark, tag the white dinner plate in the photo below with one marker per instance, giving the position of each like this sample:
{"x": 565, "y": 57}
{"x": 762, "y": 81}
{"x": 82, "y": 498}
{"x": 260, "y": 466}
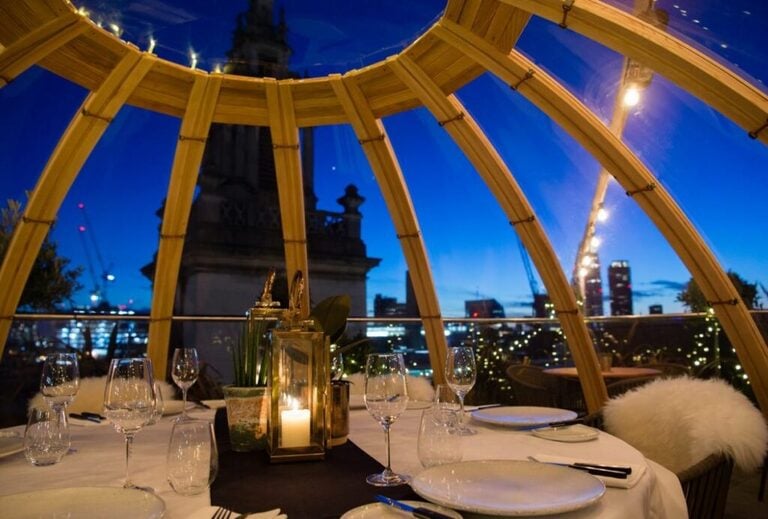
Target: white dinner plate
{"x": 522, "y": 416}
{"x": 508, "y": 487}
{"x": 11, "y": 442}
{"x": 570, "y": 433}
{"x": 83, "y": 502}
{"x": 172, "y": 407}
{"x": 382, "y": 511}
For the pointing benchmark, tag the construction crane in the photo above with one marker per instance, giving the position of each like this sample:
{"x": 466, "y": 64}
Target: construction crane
{"x": 539, "y": 299}
{"x": 91, "y": 247}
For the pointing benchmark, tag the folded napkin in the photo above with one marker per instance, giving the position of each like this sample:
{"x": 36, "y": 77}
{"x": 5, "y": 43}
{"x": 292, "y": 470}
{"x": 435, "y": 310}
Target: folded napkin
{"x": 208, "y": 511}
{"x": 637, "y": 470}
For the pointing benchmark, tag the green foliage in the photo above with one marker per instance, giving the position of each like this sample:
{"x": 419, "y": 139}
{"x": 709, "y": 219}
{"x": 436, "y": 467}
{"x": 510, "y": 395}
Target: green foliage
{"x": 331, "y": 314}
{"x": 693, "y": 299}
{"x": 251, "y": 355}
{"x": 51, "y": 281}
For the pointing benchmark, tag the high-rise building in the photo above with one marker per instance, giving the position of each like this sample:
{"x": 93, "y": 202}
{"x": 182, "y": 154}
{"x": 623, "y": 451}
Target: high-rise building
{"x": 593, "y": 285}
{"x": 655, "y": 309}
{"x": 483, "y": 308}
{"x": 620, "y": 284}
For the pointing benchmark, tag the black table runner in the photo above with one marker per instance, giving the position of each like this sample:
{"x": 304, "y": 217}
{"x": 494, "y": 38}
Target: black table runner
{"x": 248, "y": 482}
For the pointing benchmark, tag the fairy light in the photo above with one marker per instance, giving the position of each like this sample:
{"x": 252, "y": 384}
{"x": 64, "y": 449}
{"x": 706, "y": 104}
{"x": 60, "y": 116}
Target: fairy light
{"x": 192, "y": 59}
{"x": 631, "y": 97}
{"x": 594, "y": 242}
{"x": 152, "y": 44}
{"x": 82, "y": 11}
{"x": 602, "y": 214}
{"x": 116, "y": 30}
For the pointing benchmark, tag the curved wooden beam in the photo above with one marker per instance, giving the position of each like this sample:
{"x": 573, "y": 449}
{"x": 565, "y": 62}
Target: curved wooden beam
{"x": 181, "y": 189}
{"x": 81, "y": 136}
{"x": 461, "y": 126}
{"x": 584, "y": 126}
{"x": 700, "y": 75}
{"x": 290, "y": 184}
{"x": 377, "y": 147}
{"x": 37, "y": 44}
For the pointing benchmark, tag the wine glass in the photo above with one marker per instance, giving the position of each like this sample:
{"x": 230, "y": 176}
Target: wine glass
{"x": 460, "y": 374}
{"x": 129, "y": 399}
{"x": 386, "y": 398}
{"x": 60, "y": 382}
{"x": 184, "y": 372}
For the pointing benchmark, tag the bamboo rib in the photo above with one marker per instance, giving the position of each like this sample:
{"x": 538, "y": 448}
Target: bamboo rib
{"x": 377, "y": 147}
{"x": 35, "y": 45}
{"x": 586, "y": 128}
{"x": 460, "y": 125}
{"x": 290, "y": 186}
{"x": 181, "y": 188}
{"x": 689, "y": 68}
{"x": 74, "y": 147}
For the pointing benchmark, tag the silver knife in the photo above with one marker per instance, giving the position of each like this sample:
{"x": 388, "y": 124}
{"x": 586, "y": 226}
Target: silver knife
{"x": 422, "y": 513}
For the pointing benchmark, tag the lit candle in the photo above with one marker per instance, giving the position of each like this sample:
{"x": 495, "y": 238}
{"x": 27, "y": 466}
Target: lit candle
{"x": 294, "y": 427}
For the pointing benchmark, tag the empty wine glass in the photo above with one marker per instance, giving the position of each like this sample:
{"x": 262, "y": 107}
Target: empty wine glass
{"x": 46, "y": 438}
{"x": 129, "y": 399}
{"x": 386, "y": 398}
{"x": 460, "y": 374}
{"x": 158, "y": 406}
{"x": 60, "y": 381}
{"x": 193, "y": 460}
{"x": 184, "y": 371}
{"x": 438, "y": 441}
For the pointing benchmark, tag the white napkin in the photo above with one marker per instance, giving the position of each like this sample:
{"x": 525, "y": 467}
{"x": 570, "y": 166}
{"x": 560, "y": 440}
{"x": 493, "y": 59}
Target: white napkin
{"x": 637, "y": 470}
{"x": 208, "y": 511}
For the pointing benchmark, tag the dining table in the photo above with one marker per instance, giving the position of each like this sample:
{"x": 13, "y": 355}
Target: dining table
{"x": 248, "y": 482}
{"x": 615, "y": 372}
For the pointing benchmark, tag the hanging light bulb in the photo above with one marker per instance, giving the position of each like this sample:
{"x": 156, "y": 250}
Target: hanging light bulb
{"x": 594, "y": 242}
{"x": 602, "y": 214}
{"x": 152, "y": 43}
{"x": 116, "y": 30}
{"x": 631, "y": 96}
{"x": 192, "y": 59}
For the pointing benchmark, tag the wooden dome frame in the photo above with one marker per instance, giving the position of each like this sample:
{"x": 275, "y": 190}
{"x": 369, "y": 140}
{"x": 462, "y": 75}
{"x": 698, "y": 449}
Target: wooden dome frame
{"x": 472, "y": 36}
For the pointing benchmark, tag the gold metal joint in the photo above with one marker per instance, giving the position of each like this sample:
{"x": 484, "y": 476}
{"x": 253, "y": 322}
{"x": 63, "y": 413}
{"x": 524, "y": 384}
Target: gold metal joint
{"x": 172, "y": 236}
{"x": 196, "y": 139}
{"x": 649, "y": 187}
{"x": 732, "y": 302}
{"x": 86, "y": 113}
{"x": 285, "y": 146}
{"x": 528, "y": 75}
{"x": 379, "y": 137}
{"x": 530, "y": 219}
{"x": 27, "y": 219}
{"x": 436, "y": 316}
{"x": 458, "y": 117}
{"x": 567, "y": 6}
{"x": 410, "y": 235}
{"x": 302, "y": 242}
{"x": 754, "y": 133}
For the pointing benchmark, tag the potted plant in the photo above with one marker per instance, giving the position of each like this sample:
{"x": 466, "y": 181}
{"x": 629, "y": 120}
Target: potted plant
{"x": 247, "y": 399}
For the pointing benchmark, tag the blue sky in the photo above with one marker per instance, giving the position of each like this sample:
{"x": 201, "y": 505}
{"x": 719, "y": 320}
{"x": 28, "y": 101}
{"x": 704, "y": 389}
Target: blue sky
{"x": 716, "y": 173}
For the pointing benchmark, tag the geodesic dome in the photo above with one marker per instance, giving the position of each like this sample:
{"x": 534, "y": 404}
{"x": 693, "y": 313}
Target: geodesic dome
{"x": 469, "y": 39}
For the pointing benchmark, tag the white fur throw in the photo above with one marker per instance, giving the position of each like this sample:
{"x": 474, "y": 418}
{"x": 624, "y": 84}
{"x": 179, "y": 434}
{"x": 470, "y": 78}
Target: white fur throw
{"x": 680, "y": 421}
{"x": 90, "y": 396}
{"x": 419, "y": 388}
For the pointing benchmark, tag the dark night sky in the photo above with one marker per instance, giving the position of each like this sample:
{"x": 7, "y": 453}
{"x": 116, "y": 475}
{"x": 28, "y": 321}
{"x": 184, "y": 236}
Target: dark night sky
{"x": 716, "y": 173}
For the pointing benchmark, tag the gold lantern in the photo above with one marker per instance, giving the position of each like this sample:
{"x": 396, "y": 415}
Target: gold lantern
{"x": 299, "y": 386}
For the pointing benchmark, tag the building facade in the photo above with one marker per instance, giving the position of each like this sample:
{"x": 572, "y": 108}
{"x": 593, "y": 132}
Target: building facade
{"x": 620, "y": 283}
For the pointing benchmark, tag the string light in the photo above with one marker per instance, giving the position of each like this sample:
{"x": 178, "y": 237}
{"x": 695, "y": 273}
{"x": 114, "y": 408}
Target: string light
{"x": 192, "y": 59}
{"x": 631, "y": 97}
{"x": 602, "y": 214}
{"x": 152, "y": 43}
{"x": 116, "y": 30}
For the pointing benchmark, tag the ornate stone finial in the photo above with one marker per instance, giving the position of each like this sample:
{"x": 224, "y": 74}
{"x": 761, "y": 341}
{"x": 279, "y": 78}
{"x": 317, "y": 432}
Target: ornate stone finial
{"x": 351, "y": 200}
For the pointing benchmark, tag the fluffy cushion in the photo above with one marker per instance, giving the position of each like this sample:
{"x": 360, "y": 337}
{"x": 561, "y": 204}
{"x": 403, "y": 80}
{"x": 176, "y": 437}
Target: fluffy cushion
{"x": 90, "y": 396}
{"x": 680, "y": 421}
{"x": 419, "y": 388}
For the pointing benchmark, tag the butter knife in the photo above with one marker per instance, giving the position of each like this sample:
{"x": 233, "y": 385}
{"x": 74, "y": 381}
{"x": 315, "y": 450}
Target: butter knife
{"x": 422, "y": 513}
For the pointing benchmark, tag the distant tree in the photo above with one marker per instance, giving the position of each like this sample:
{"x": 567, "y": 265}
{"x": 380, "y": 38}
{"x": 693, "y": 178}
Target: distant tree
{"x": 694, "y": 300}
{"x": 51, "y": 282}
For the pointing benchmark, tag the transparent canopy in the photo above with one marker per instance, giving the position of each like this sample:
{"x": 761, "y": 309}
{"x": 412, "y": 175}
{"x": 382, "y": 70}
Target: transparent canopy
{"x": 109, "y": 218}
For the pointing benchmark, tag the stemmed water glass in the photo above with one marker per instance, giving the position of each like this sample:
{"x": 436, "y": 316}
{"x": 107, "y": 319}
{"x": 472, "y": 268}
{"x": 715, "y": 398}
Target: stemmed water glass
{"x": 129, "y": 399}
{"x": 59, "y": 382}
{"x": 460, "y": 374}
{"x": 185, "y": 370}
{"x": 386, "y": 398}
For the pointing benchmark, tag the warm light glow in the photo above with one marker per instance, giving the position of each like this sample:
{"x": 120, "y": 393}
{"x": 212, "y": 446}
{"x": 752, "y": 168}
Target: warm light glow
{"x": 152, "y": 43}
{"x": 217, "y": 68}
{"x": 594, "y": 242}
{"x": 602, "y": 214}
{"x": 192, "y": 59}
{"x": 82, "y": 11}
{"x": 631, "y": 97}
{"x": 116, "y": 30}
{"x": 582, "y": 272}
{"x": 586, "y": 261}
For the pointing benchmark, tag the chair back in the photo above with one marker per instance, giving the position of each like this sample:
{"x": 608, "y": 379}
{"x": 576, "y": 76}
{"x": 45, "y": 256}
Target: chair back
{"x": 530, "y": 385}
{"x": 705, "y": 486}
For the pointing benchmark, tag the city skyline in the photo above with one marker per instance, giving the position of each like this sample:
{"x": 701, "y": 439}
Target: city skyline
{"x": 473, "y": 250}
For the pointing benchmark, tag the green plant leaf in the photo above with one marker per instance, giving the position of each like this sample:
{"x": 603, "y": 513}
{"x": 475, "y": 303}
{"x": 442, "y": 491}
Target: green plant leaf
{"x": 331, "y": 315}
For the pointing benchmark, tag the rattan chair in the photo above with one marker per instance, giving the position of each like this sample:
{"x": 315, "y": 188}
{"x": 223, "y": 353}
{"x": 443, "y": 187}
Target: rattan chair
{"x": 668, "y": 369}
{"x": 531, "y": 386}
{"x": 705, "y": 486}
{"x": 622, "y": 386}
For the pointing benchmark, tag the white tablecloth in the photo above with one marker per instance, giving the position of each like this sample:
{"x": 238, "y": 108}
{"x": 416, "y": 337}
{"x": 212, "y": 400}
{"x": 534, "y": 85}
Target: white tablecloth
{"x": 99, "y": 461}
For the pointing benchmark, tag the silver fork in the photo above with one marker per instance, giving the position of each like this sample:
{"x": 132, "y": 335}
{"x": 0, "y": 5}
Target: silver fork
{"x": 222, "y": 513}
